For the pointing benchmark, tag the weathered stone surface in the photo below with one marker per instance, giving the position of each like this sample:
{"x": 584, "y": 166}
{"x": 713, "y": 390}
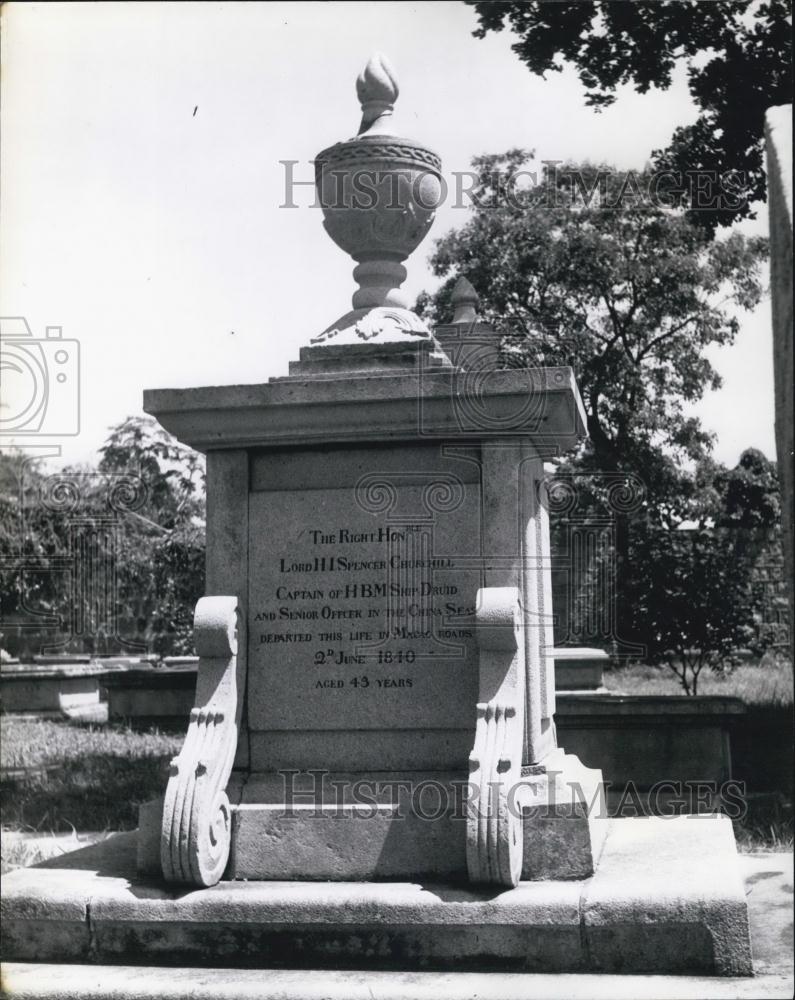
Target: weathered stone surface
{"x": 44, "y": 916}
{"x": 381, "y": 355}
{"x": 403, "y": 181}
{"x": 55, "y": 691}
{"x": 344, "y": 843}
{"x": 128, "y": 982}
{"x": 667, "y": 894}
{"x": 647, "y": 740}
{"x": 151, "y": 693}
{"x": 579, "y": 668}
{"x": 680, "y": 873}
{"x": 413, "y": 750}
{"x": 543, "y": 403}
{"x": 340, "y": 826}
{"x": 361, "y": 616}
{"x": 564, "y": 820}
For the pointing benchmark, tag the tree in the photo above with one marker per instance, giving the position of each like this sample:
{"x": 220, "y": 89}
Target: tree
{"x": 738, "y": 56}
{"x": 693, "y": 593}
{"x": 582, "y": 269}
{"x": 30, "y": 547}
{"x": 162, "y": 546}
{"x": 104, "y": 559}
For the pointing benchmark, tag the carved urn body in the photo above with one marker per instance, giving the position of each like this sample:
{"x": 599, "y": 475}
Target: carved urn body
{"x": 379, "y": 193}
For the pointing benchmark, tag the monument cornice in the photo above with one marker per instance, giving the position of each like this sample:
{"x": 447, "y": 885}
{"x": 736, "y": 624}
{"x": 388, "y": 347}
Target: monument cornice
{"x": 543, "y": 404}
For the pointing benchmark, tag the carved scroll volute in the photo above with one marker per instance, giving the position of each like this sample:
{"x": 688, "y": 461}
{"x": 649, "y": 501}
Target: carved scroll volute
{"x": 494, "y": 823}
{"x": 196, "y": 834}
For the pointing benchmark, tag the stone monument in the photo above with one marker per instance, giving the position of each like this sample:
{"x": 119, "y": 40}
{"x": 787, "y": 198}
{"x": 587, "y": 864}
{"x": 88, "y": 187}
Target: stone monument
{"x": 371, "y": 774}
{"x": 382, "y": 532}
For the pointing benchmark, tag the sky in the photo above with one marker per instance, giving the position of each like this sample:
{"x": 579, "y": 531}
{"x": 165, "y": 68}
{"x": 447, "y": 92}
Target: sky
{"x": 142, "y": 185}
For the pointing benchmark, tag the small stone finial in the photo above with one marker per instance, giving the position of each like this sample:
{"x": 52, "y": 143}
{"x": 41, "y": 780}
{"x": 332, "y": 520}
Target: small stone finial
{"x": 464, "y": 301}
{"x": 377, "y": 90}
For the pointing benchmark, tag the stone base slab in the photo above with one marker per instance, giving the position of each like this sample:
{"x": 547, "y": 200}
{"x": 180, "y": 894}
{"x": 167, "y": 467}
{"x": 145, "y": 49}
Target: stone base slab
{"x": 564, "y": 819}
{"x": 27, "y": 981}
{"x": 398, "y": 826}
{"x": 667, "y": 897}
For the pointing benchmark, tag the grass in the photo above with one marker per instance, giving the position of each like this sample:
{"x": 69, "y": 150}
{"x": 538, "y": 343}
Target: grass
{"x": 21, "y": 849}
{"x": 95, "y": 778}
{"x": 34, "y": 741}
{"x": 19, "y": 854}
{"x": 767, "y": 825}
{"x": 768, "y": 684}
{"x": 768, "y": 839}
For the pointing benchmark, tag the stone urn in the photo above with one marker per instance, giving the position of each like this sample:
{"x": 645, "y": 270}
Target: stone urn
{"x": 379, "y": 193}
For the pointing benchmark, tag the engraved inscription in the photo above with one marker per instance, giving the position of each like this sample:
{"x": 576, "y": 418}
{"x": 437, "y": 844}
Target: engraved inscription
{"x": 359, "y": 617}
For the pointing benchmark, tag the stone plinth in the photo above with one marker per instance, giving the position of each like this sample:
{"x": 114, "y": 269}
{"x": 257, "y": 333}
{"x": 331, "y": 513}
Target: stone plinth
{"x": 667, "y": 896}
{"x": 579, "y": 668}
{"x": 49, "y": 691}
{"x": 385, "y": 536}
{"x": 648, "y": 741}
{"x": 395, "y": 825}
{"x": 152, "y": 694}
{"x": 53, "y": 684}
{"x": 58, "y": 683}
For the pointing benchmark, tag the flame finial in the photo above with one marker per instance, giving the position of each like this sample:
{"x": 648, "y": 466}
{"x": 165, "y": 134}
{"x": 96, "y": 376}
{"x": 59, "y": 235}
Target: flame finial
{"x": 403, "y": 188}
{"x": 377, "y": 89}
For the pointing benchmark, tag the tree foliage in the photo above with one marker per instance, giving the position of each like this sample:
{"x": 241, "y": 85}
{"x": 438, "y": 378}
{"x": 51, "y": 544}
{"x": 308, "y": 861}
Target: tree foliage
{"x": 693, "y": 594}
{"x": 737, "y": 54}
{"x": 580, "y": 268}
{"x": 107, "y": 558}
